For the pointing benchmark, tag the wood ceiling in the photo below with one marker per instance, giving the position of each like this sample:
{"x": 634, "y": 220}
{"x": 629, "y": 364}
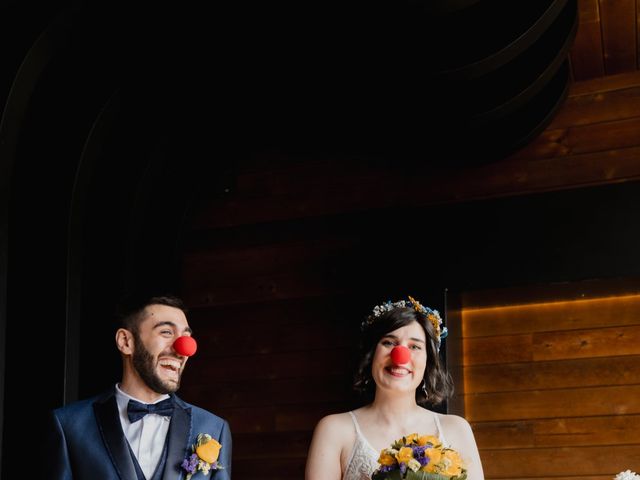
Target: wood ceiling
{"x": 347, "y": 75}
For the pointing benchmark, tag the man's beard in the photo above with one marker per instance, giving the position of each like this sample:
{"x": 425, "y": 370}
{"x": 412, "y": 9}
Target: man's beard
{"x": 143, "y": 362}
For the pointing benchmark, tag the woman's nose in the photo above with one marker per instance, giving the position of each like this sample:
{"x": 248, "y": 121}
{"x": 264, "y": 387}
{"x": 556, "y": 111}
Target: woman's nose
{"x": 400, "y": 355}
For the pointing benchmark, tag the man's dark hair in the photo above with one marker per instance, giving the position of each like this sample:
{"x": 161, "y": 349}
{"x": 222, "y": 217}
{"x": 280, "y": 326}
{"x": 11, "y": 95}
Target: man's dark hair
{"x": 130, "y": 311}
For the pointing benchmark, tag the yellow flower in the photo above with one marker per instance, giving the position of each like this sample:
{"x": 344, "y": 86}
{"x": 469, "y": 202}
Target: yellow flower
{"x": 416, "y": 304}
{"x": 209, "y": 451}
{"x": 404, "y": 455}
{"x": 411, "y": 438}
{"x": 434, "y": 455}
{"x": 452, "y": 463}
{"x": 386, "y": 458}
{"x": 434, "y": 321}
{"x": 423, "y": 440}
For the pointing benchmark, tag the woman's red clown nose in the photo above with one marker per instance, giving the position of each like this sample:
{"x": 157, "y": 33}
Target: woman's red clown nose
{"x": 400, "y": 355}
{"x": 185, "y": 346}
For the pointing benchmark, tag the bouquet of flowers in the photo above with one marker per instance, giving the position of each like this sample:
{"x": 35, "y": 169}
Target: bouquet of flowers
{"x": 627, "y": 475}
{"x": 416, "y": 457}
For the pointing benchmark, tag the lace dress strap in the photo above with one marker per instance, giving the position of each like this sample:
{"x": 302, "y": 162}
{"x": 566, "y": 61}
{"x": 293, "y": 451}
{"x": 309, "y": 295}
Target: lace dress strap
{"x": 363, "y": 459}
{"x": 440, "y": 431}
{"x": 356, "y": 424}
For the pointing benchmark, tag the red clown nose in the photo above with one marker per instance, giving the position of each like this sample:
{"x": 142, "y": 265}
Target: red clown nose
{"x": 185, "y": 346}
{"x": 400, "y": 355}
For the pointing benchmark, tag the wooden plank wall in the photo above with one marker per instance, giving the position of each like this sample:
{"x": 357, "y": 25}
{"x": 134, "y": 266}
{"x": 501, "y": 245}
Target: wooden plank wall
{"x": 594, "y": 139}
{"x": 273, "y": 274}
{"x": 552, "y": 387}
{"x": 274, "y": 354}
{"x": 607, "y": 39}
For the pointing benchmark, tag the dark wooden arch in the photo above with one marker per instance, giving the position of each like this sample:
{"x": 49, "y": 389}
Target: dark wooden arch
{"x": 85, "y": 176}
{"x": 45, "y": 48}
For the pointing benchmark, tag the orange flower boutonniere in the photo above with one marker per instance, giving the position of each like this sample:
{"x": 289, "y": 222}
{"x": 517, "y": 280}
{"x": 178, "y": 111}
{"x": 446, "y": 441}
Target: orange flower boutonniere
{"x": 204, "y": 456}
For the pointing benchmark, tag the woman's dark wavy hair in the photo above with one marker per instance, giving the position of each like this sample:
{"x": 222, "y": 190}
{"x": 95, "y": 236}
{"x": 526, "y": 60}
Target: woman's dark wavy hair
{"x": 438, "y": 382}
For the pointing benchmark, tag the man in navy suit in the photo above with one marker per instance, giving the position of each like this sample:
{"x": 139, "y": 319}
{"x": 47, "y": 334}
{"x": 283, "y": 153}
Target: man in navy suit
{"x": 139, "y": 429}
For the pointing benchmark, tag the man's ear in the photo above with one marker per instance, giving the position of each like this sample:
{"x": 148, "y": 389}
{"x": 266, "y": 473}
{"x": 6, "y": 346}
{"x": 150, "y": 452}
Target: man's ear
{"x": 124, "y": 341}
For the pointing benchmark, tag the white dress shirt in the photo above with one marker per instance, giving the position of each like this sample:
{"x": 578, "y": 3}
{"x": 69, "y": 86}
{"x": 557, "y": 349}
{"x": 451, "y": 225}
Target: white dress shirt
{"x": 146, "y": 437}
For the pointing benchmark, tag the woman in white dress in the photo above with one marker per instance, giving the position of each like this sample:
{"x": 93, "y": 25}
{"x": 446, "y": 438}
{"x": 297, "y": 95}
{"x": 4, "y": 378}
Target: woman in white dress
{"x": 346, "y": 446}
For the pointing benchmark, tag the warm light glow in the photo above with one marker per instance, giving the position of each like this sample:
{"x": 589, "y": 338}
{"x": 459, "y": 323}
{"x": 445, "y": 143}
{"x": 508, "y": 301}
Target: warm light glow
{"x": 559, "y": 303}
{"x": 511, "y": 319}
{"x": 528, "y": 333}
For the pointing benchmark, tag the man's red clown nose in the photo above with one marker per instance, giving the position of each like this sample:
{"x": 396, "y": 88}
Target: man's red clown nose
{"x": 185, "y": 346}
{"x": 400, "y": 355}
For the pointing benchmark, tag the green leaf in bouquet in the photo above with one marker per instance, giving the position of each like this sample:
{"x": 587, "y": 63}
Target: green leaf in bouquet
{"x": 411, "y": 475}
{"x": 392, "y": 475}
{"x": 426, "y": 476}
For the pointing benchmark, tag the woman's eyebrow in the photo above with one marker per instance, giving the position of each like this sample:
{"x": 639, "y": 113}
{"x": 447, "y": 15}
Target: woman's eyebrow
{"x": 393, "y": 337}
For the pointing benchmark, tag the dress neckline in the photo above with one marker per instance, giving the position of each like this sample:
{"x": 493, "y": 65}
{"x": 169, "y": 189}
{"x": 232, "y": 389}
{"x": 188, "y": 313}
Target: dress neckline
{"x": 365, "y": 441}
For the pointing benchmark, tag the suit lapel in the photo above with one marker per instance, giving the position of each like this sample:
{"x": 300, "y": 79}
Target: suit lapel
{"x": 179, "y": 434}
{"x": 113, "y": 436}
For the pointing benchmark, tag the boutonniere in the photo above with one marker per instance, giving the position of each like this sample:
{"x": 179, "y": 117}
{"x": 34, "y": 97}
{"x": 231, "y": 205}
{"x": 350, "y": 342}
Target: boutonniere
{"x": 204, "y": 456}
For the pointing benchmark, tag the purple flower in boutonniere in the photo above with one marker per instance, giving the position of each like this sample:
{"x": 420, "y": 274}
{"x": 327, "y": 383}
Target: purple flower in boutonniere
{"x": 204, "y": 456}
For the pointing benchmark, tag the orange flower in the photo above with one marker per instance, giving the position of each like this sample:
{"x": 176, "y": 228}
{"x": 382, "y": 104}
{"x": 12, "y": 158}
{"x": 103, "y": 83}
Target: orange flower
{"x": 434, "y": 321}
{"x": 404, "y": 455}
{"x": 209, "y": 451}
{"x": 411, "y": 438}
{"x": 386, "y": 458}
{"x": 452, "y": 462}
{"x": 434, "y": 455}
{"x": 433, "y": 440}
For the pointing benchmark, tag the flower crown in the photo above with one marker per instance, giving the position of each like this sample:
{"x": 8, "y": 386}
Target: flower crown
{"x": 432, "y": 315}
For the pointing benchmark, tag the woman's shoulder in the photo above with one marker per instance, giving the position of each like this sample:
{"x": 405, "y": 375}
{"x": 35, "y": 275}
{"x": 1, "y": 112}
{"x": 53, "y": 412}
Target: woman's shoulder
{"x": 337, "y": 429}
{"x": 337, "y": 421}
{"x": 451, "y": 419}
{"x": 455, "y": 425}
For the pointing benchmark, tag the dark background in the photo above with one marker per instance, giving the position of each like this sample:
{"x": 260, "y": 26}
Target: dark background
{"x": 123, "y": 121}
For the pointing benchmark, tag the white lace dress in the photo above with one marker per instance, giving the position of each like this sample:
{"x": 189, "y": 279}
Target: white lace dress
{"x": 364, "y": 458}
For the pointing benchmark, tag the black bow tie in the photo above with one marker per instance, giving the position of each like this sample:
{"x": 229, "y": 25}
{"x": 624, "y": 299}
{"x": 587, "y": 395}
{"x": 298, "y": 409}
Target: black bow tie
{"x": 137, "y": 410}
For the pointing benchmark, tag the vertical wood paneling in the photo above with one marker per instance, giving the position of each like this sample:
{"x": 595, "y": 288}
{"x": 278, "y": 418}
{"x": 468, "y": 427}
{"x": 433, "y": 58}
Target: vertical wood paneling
{"x": 586, "y": 54}
{"x": 637, "y": 35}
{"x": 619, "y": 35}
{"x": 557, "y": 381}
{"x": 608, "y": 39}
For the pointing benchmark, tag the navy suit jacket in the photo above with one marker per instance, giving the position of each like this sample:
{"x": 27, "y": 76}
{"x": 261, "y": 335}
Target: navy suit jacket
{"x": 86, "y": 441}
